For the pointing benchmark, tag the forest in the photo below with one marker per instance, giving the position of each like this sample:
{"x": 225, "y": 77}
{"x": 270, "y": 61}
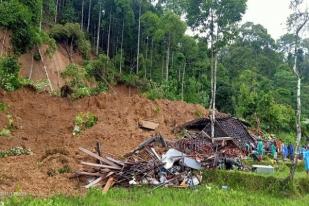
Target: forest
{"x": 167, "y": 49}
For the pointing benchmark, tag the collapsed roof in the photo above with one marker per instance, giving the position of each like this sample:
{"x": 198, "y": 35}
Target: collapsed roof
{"x": 225, "y": 126}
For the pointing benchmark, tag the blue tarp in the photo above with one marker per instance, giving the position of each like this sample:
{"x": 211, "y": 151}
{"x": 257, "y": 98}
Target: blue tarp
{"x": 306, "y": 159}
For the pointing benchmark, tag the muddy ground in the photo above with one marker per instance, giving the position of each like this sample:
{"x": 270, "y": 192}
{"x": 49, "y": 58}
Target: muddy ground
{"x": 44, "y": 124}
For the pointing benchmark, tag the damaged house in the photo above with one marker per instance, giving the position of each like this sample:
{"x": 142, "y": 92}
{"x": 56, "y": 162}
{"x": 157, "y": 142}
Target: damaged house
{"x": 227, "y": 128}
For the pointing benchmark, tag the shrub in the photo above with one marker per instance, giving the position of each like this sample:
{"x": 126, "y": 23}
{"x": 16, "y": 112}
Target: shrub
{"x": 70, "y": 34}
{"x": 64, "y": 169}
{"x": 3, "y": 107}
{"x": 15, "y": 151}
{"x": 9, "y": 70}
{"x": 102, "y": 69}
{"x": 5, "y": 132}
{"x": 84, "y": 121}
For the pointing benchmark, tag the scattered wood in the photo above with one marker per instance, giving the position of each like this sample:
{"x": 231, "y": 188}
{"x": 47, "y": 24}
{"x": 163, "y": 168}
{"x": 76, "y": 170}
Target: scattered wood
{"x": 99, "y": 165}
{"x": 110, "y": 182}
{"x": 99, "y": 158}
{"x": 93, "y": 183}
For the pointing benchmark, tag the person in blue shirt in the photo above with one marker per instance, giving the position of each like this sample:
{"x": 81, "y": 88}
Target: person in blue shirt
{"x": 306, "y": 160}
{"x": 291, "y": 151}
{"x": 284, "y": 151}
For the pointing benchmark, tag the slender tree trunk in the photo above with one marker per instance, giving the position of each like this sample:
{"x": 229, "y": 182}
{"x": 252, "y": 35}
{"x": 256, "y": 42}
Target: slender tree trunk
{"x": 121, "y": 47}
{"x": 182, "y": 82}
{"x": 151, "y": 59}
{"x": 109, "y": 33}
{"x": 162, "y": 68}
{"x": 31, "y": 68}
{"x": 212, "y": 112}
{"x": 89, "y": 15}
{"x": 98, "y": 29}
{"x": 138, "y": 36}
{"x": 82, "y": 19}
{"x": 146, "y": 58}
{"x": 56, "y": 15}
{"x": 167, "y": 58}
{"x": 298, "y": 114}
{"x": 41, "y": 17}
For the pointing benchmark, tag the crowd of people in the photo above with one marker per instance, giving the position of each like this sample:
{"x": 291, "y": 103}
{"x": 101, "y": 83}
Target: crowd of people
{"x": 277, "y": 149}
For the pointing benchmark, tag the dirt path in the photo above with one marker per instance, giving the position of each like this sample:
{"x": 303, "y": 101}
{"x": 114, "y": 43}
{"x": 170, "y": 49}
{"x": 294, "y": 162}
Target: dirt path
{"x": 44, "y": 125}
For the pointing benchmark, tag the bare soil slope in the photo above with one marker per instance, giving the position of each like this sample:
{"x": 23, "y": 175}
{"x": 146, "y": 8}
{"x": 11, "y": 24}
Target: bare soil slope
{"x": 44, "y": 125}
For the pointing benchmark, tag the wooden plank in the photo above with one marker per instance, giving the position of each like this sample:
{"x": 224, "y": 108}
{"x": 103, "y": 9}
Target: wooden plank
{"x": 99, "y": 165}
{"x": 89, "y": 173}
{"x": 99, "y": 158}
{"x": 115, "y": 161}
{"x": 96, "y": 181}
{"x": 110, "y": 182}
{"x": 98, "y": 149}
{"x": 223, "y": 138}
{"x": 148, "y": 125}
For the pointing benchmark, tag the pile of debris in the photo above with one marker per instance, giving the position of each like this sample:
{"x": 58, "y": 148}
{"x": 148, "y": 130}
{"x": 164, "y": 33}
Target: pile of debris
{"x": 149, "y": 164}
{"x": 172, "y": 163}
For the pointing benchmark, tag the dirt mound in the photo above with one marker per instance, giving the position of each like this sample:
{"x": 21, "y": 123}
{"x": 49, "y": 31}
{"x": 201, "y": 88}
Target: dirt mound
{"x": 44, "y": 124}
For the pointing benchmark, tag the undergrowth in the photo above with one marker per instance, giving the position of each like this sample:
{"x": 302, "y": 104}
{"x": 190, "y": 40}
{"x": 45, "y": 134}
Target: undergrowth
{"x": 15, "y": 151}
{"x": 84, "y": 121}
{"x": 205, "y": 195}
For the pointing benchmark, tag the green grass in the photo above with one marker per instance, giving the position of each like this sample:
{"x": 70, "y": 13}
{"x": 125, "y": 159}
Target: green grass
{"x": 201, "y": 196}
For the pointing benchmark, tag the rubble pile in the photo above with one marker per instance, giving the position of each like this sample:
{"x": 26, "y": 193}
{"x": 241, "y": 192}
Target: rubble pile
{"x": 172, "y": 163}
{"x": 148, "y": 164}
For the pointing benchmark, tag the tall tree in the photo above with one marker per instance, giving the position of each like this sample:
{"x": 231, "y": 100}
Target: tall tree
{"x": 216, "y": 19}
{"x": 99, "y": 29}
{"x": 89, "y": 15}
{"x": 297, "y": 22}
{"x": 138, "y": 36}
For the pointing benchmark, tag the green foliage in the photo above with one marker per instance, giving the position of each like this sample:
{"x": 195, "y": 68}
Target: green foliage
{"x": 102, "y": 69}
{"x": 71, "y": 35}
{"x": 22, "y": 18}
{"x": 5, "y": 132}
{"x": 9, "y": 70}
{"x": 15, "y": 151}
{"x": 84, "y": 121}
{"x": 3, "y": 107}
{"x": 78, "y": 79}
{"x": 64, "y": 169}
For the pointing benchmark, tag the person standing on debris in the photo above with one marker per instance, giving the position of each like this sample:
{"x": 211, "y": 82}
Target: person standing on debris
{"x": 260, "y": 149}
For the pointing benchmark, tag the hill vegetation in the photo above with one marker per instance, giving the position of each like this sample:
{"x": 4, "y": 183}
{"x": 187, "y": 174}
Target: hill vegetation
{"x": 144, "y": 43}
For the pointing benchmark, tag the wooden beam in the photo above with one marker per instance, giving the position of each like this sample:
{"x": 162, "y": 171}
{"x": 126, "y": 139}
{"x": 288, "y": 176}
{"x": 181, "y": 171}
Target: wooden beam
{"x": 99, "y": 158}
{"x": 110, "y": 182}
{"x": 99, "y": 165}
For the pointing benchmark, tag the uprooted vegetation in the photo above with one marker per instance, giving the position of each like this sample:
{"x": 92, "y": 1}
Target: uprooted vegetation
{"x": 84, "y": 121}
